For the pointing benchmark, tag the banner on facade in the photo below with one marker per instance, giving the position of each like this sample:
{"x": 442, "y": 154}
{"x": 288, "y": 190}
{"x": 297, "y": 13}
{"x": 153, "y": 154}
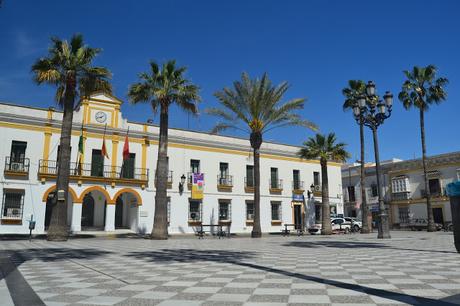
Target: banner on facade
{"x": 197, "y": 186}
{"x": 297, "y": 197}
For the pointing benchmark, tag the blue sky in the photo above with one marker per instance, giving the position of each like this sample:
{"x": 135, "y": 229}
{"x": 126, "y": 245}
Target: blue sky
{"x": 317, "y": 46}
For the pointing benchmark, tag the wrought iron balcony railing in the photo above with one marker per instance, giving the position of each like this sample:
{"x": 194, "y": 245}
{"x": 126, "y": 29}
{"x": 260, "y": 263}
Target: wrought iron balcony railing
{"x": 276, "y": 184}
{"x": 298, "y": 185}
{"x": 225, "y": 180}
{"x": 16, "y": 166}
{"x": 50, "y": 168}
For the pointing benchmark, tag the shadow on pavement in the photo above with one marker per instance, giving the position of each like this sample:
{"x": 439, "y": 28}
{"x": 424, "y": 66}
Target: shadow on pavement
{"x": 238, "y": 258}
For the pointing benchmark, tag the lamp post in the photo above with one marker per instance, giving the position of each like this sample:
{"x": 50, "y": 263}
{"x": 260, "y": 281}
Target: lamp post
{"x": 372, "y": 112}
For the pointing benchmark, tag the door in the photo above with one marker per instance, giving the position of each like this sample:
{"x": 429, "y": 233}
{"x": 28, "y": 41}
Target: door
{"x": 437, "y": 215}
{"x": 298, "y": 216}
{"x": 49, "y": 207}
{"x": 87, "y": 211}
{"x": 97, "y": 163}
{"x": 119, "y": 213}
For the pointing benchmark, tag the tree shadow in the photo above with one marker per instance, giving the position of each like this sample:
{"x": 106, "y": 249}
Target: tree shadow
{"x": 240, "y": 259}
{"x": 355, "y": 245}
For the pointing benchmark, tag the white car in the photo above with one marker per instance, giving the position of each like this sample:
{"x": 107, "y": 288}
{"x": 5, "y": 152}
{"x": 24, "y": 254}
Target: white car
{"x": 336, "y": 223}
{"x": 356, "y": 225}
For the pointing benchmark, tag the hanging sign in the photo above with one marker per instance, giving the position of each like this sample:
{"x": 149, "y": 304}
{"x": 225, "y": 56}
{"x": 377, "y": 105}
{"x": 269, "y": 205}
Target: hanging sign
{"x": 297, "y": 197}
{"x": 197, "y": 186}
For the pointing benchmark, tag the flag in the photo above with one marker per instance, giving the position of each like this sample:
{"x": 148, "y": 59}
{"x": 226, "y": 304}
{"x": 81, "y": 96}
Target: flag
{"x": 80, "y": 153}
{"x": 104, "y": 149}
{"x": 126, "y": 148}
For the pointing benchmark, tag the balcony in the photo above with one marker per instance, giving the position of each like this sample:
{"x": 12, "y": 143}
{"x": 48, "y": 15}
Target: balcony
{"x": 170, "y": 179}
{"x": 276, "y": 186}
{"x": 400, "y": 196}
{"x": 249, "y": 184}
{"x": 48, "y": 169}
{"x": 190, "y": 180}
{"x": 436, "y": 193}
{"x": 298, "y": 187}
{"x": 224, "y": 182}
{"x": 17, "y": 167}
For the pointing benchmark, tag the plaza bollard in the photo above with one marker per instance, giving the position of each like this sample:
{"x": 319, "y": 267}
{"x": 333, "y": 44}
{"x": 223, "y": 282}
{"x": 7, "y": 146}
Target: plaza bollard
{"x": 453, "y": 191}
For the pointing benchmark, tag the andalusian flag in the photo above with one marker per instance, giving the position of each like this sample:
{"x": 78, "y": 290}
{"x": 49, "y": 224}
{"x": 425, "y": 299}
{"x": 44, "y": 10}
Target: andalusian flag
{"x": 80, "y": 152}
{"x": 104, "y": 149}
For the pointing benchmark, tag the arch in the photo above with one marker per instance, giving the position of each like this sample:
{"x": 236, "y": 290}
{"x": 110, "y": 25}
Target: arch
{"x": 52, "y": 188}
{"x": 98, "y": 188}
{"x": 128, "y": 190}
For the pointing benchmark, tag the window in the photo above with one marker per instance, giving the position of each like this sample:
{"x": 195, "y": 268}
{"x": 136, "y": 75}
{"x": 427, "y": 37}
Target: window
{"x": 374, "y": 190}
{"x": 316, "y": 179}
{"x": 249, "y": 210}
{"x": 274, "y": 178}
{"x": 249, "y": 176}
{"x": 351, "y": 194}
{"x": 127, "y": 169}
{"x": 276, "y": 211}
{"x": 435, "y": 187}
{"x": 97, "y": 163}
{"x": 195, "y": 166}
{"x": 194, "y": 211}
{"x": 403, "y": 214}
{"x": 317, "y": 212}
{"x": 13, "y": 203}
{"x": 18, "y": 151}
{"x": 400, "y": 184}
{"x": 223, "y": 168}
{"x": 224, "y": 211}
{"x": 296, "y": 180}
{"x": 224, "y": 178}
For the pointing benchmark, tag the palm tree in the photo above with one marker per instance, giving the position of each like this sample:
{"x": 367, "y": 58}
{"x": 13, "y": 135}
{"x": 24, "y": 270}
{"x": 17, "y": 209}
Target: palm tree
{"x": 254, "y": 106}
{"x": 421, "y": 90}
{"x": 68, "y": 66}
{"x": 355, "y": 89}
{"x": 326, "y": 149}
{"x": 162, "y": 87}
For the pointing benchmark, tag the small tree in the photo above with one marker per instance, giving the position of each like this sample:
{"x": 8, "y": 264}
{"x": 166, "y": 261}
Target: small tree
{"x": 421, "y": 90}
{"x": 68, "y": 66}
{"x": 326, "y": 149}
{"x": 254, "y": 106}
{"x": 161, "y": 88}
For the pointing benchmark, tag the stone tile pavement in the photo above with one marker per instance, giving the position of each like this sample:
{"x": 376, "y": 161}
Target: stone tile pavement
{"x": 414, "y": 268}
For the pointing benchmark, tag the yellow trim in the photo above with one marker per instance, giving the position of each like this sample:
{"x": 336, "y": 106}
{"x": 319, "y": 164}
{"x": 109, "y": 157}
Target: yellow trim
{"x": 50, "y": 114}
{"x": 98, "y": 188}
{"x": 128, "y": 190}
{"x": 52, "y": 188}
{"x": 46, "y": 145}
{"x": 115, "y": 124}
{"x": 420, "y": 201}
{"x": 174, "y": 145}
{"x": 434, "y": 167}
{"x": 144, "y": 157}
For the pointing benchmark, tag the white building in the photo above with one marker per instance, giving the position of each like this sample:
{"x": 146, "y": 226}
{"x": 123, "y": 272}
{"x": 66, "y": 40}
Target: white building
{"x": 102, "y": 196}
{"x": 403, "y": 188}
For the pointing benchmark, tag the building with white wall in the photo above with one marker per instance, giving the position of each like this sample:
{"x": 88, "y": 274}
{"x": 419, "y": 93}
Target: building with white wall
{"x": 107, "y": 193}
{"x": 403, "y": 188}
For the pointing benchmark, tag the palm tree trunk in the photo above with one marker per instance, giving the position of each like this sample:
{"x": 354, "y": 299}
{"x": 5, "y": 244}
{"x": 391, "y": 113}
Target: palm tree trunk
{"x": 160, "y": 223}
{"x": 58, "y": 230}
{"x": 364, "y": 208}
{"x": 326, "y": 228}
{"x": 256, "y": 142}
{"x": 425, "y": 175}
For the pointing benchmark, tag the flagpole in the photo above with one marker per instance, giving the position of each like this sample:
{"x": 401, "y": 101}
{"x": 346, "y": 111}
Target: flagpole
{"x": 77, "y": 164}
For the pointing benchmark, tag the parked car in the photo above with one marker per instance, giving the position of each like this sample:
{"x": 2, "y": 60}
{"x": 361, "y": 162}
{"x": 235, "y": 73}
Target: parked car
{"x": 422, "y": 224}
{"x": 340, "y": 224}
{"x": 356, "y": 225}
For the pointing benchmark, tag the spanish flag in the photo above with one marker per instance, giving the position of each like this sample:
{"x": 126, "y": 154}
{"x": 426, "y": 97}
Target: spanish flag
{"x": 104, "y": 149}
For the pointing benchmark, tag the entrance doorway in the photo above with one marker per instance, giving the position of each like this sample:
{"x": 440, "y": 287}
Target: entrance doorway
{"x": 437, "y": 215}
{"x": 87, "y": 212}
{"x": 119, "y": 213}
{"x": 49, "y": 208}
{"x": 297, "y": 214}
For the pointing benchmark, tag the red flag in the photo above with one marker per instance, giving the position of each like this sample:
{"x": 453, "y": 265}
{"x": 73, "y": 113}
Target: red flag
{"x": 104, "y": 150}
{"x": 126, "y": 148}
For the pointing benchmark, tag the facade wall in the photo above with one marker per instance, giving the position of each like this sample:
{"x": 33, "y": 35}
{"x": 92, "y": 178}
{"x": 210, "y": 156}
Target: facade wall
{"x": 40, "y": 129}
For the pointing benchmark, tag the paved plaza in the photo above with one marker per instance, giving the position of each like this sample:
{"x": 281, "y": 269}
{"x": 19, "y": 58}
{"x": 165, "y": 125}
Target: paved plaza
{"x": 411, "y": 268}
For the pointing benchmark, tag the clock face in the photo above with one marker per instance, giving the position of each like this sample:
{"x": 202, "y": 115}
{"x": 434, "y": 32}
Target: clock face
{"x": 101, "y": 117}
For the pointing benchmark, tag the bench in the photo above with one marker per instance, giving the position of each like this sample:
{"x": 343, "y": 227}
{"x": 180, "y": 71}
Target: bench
{"x": 201, "y": 231}
{"x": 297, "y": 227}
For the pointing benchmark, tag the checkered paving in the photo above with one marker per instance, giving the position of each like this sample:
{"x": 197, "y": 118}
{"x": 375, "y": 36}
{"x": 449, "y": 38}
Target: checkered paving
{"x": 411, "y": 268}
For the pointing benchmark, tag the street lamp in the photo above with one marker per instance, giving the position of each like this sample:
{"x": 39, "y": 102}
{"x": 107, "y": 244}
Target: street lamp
{"x": 372, "y": 112}
{"x": 181, "y": 184}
